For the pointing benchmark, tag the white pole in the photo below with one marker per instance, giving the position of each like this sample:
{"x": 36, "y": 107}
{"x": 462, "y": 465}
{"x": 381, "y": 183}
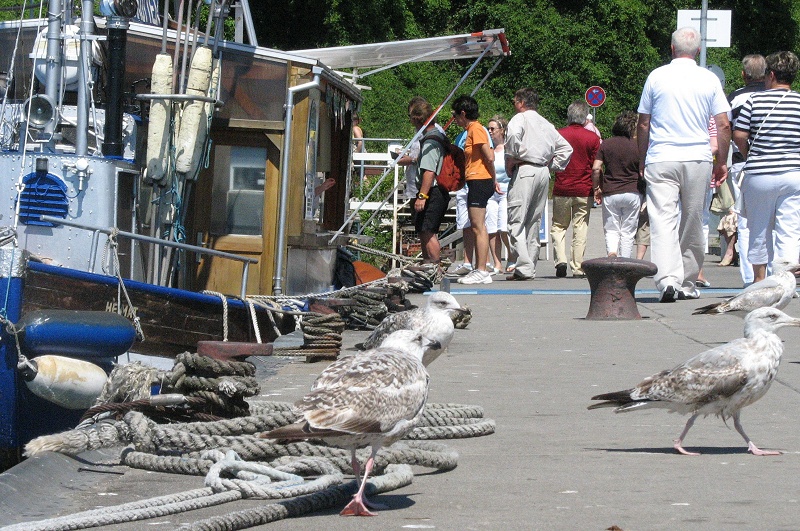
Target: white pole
{"x": 703, "y": 32}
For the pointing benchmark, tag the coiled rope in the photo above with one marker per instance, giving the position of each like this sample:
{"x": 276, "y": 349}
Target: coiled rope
{"x": 260, "y": 468}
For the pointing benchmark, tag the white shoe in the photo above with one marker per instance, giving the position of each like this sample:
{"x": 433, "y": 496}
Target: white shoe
{"x": 463, "y": 269}
{"x": 476, "y": 277}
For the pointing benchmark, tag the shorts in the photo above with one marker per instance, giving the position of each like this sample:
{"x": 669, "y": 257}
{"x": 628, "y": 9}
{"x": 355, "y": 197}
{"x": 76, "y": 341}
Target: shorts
{"x": 462, "y": 216}
{"x": 497, "y": 214}
{"x": 430, "y": 219}
{"x": 480, "y": 191}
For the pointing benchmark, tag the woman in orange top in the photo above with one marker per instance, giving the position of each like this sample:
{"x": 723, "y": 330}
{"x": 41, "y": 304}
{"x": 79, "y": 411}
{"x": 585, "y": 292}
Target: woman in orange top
{"x": 481, "y": 181}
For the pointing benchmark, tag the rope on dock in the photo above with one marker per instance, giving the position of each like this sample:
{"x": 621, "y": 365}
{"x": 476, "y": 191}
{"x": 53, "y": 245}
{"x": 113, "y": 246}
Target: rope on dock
{"x": 242, "y": 465}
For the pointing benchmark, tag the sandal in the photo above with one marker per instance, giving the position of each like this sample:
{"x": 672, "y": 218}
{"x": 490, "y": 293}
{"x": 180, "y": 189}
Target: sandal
{"x": 511, "y": 267}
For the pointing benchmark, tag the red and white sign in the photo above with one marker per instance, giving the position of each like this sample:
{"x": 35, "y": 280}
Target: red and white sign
{"x": 595, "y": 96}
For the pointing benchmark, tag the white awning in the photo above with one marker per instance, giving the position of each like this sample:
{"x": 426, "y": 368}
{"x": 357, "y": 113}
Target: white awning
{"x": 391, "y": 54}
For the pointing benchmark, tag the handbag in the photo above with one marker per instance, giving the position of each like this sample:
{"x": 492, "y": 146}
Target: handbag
{"x": 722, "y": 200}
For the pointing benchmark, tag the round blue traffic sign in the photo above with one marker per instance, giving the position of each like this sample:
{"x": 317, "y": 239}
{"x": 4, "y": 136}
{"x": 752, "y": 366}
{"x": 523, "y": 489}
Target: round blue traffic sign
{"x": 595, "y": 96}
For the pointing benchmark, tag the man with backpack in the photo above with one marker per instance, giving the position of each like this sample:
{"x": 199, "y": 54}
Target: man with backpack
{"x": 432, "y": 199}
{"x": 533, "y": 147}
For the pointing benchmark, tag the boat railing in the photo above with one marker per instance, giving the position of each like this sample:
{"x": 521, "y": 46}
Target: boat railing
{"x": 96, "y": 231}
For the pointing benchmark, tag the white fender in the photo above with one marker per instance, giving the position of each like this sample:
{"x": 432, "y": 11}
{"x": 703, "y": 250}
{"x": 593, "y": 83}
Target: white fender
{"x": 202, "y": 126}
{"x": 160, "y": 110}
{"x": 67, "y": 382}
{"x": 199, "y": 81}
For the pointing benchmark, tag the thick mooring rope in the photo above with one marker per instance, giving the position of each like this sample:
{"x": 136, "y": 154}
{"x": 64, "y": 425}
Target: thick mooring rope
{"x": 252, "y": 467}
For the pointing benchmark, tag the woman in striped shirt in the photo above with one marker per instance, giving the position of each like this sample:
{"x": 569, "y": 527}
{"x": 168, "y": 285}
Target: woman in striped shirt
{"x": 767, "y": 133}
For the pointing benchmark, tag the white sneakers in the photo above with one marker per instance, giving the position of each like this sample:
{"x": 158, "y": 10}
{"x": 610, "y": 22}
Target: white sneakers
{"x": 476, "y": 277}
{"x": 463, "y": 269}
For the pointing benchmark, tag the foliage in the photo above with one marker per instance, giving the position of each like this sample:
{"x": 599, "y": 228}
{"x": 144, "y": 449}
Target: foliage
{"x": 560, "y": 48}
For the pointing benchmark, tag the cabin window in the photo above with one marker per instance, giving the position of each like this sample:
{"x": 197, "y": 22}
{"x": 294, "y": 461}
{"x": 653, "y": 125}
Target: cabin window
{"x": 239, "y": 186}
{"x": 44, "y": 194}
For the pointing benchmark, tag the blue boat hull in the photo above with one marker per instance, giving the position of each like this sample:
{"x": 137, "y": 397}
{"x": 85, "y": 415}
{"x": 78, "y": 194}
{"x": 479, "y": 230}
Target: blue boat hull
{"x": 173, "y": 321}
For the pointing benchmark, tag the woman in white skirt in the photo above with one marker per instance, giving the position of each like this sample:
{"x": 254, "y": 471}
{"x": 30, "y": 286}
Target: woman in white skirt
{"x": 618, "y": 186}
{"x": 497, "y": 207}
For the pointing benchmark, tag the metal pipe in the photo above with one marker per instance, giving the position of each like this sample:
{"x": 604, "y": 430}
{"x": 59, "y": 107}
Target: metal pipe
{"x": 185, "y": 246}
{"x": 148, "y": 239}
{"x": 164, "y": 26}
{"x": 53, "y": 59}
{"x": 177, "y": 50}
{"x": 248, "y": 22}
{"x": 184, "y": 61}
{"x": 176, "y": 97}
{"x": 277, "y": 277}
{"x": 117, "y": 40}
{"x": 85, "y": 52}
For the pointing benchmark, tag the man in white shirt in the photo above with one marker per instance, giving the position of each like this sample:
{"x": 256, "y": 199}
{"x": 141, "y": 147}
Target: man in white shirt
{"x": 533, "y": 147}
{"x": 677, "y": 163}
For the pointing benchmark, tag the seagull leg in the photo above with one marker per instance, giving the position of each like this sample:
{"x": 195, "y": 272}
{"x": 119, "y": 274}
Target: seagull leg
{"x": 355, "y": 465}
{"x": 679, "y": 441}
{"x": 752, "y": 448}
{"x": 359, "y": 506}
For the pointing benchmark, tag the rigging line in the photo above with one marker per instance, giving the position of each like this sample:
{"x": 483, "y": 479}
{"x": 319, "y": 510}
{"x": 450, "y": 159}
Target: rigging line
{"x": 418, "y": 134}
{"x": 489, "y": 73}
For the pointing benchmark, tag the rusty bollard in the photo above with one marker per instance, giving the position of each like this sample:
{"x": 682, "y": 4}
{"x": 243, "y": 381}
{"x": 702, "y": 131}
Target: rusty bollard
{"x": 613, "y": 281}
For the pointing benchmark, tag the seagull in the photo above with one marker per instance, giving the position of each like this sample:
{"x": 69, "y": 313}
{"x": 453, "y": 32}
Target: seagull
{"x": 371, "y": 398}
{"x": 775, "y": 291}
{"x": 435, "y": 322}
{"x": 720, "y": 381}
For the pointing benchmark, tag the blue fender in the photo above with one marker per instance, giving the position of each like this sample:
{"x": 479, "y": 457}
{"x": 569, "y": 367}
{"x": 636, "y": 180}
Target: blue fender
{"x": 75, "y": 334}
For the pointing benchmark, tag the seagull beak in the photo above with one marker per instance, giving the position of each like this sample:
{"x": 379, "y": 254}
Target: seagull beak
{"x": 434, "y": 345}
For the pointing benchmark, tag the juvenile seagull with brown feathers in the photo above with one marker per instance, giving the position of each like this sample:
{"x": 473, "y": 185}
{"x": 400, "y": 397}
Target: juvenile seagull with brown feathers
{"x": 372, "y": 398}
{"x": 774, "y": 291}
{"x": 720, "y": 381}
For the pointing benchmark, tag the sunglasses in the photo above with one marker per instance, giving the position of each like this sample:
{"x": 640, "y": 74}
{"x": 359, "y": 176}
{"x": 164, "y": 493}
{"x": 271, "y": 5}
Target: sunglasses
{"x": 494, "y": 128}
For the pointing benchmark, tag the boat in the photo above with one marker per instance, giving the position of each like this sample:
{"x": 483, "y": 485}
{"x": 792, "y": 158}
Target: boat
{"x": 155, "y": 170}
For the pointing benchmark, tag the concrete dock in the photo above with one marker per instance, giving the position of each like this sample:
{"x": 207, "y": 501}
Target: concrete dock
{"x": 532, "y": 361}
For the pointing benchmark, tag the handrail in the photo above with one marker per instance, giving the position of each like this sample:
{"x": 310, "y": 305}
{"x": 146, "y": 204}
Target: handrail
{"x": 246, "y": 261}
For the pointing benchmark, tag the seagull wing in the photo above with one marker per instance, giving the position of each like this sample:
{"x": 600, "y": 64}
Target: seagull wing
{"x": 711, "y": 375}
{"x": 371, "y": 396}
{"x": 752, "y": 299}
{"x": 391, "y": 323}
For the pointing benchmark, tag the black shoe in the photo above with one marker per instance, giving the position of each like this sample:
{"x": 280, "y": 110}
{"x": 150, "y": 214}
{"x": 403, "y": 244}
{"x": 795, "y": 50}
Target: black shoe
{"x": 668, "y": 295}
{"x": 561, "y": 270}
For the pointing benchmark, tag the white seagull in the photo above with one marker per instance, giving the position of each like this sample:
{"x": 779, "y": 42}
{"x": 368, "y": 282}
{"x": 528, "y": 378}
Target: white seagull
{"x": 774, "y": 291}
{"x": 372, "y": 398}
{"x": 720, "y": 381}
{"x": 435, "y": 322}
